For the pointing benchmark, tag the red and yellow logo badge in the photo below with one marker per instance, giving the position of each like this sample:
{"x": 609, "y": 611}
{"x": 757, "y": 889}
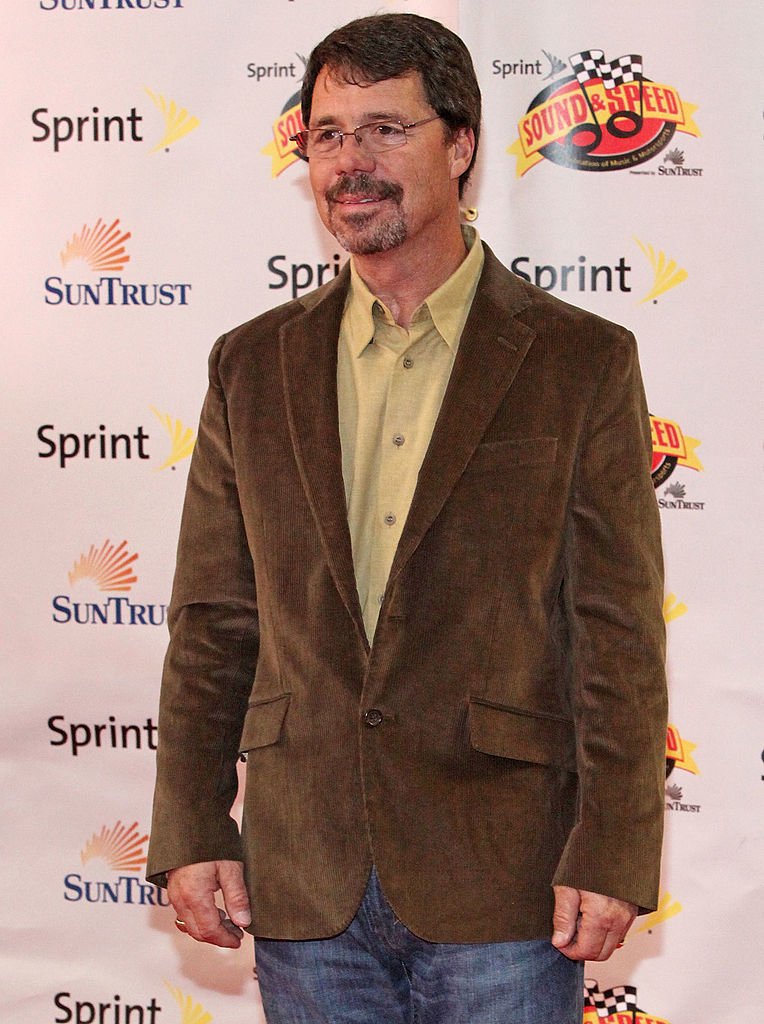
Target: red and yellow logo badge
{"x": 606, "y": 116}
{"x": 679, "y": 752}
{"x": 282, "y": 152}
{"x": 671, "y": 448}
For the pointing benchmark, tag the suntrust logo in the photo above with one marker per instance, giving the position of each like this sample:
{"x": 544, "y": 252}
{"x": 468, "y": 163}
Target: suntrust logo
{"x": 111, "y": 860}
{"x": 108, "y": 569}
{"x": 121, "y": 847}
{"x": 102, "y": 248}
{"x": 672, "y": 166}
{"x": 110, "y": 5}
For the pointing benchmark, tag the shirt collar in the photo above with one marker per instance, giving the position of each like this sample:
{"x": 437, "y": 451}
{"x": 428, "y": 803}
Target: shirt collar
{"x": 448, "y": 305}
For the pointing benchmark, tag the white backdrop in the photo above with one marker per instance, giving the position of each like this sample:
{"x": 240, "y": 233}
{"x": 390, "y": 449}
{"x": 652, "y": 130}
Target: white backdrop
{"x": 150, "y": 204}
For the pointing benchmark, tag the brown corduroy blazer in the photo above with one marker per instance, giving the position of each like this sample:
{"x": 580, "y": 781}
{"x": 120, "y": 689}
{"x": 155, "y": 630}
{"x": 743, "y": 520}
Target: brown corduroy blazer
{"x": 506, "y": 731}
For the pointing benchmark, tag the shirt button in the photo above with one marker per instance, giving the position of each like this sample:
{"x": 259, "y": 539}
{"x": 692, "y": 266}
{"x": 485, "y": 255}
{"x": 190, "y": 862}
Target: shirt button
{"x": 408, "y": 362}
{"x": 399, "y": 439}
{"x": 390, "y": 519}
{"x": 372, "y": 717}
{"x": 380, "y": 598}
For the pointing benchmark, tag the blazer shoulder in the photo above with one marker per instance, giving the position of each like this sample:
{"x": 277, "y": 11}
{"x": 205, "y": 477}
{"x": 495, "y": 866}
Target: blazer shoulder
{"x": 581, "y": 339}
{"x": 247, "y": 340}
{"x": 548, "y": 314}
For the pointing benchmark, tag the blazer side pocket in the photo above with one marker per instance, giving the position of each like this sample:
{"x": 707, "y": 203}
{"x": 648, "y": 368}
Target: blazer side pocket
{"x": 521, "y": 735}
{"x": 513, "y": 452}
{"x": 263, "y": 723}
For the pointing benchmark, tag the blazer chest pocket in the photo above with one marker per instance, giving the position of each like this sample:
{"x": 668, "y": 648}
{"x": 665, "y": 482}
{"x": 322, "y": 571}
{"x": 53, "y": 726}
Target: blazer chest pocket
{"x": 263, "y": 723}
{"x": 513, "y": 453}
{"x": 521, "y": 736}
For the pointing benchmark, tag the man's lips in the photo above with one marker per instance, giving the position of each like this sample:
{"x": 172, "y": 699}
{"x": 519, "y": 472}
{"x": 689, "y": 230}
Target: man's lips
{"x": 357, "y": 200}
{"x": 362, "y": 190}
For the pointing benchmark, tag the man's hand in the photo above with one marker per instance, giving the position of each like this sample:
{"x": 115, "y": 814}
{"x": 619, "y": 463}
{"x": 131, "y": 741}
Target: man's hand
{"x": 192, "y": 891}
{"x": 587, "y": 925}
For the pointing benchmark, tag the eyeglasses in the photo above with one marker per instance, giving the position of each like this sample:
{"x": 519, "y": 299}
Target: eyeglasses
{"x": 375, "y": 137}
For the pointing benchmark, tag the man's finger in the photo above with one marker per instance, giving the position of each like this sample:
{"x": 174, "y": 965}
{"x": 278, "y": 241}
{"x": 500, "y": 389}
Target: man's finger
{"x": 602, "y": 925}
{"x": 235, "y": 898}
{"x": 192, "y": 889}
{"x": 567, "y": 903}
{"x": 206, "y": 922}
{"x": 589, "y": 940}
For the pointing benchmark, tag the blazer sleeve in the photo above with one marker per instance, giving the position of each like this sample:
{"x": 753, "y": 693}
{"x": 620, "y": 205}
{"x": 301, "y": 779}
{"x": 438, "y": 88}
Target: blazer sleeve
{"x": 614, "y": 602}
{"x": 210, "y": 661}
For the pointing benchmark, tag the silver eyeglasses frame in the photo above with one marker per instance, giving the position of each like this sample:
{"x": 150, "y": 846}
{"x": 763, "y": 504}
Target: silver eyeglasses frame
{"x": 362, "y": 135}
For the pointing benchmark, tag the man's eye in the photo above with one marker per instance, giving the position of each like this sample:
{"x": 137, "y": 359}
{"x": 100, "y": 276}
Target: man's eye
{"x": 387, "y": 130}
{"x": 327, "y": 134}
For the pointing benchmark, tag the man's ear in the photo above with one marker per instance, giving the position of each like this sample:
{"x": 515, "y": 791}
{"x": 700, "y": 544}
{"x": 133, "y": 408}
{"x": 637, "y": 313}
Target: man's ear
{"x": 463, "y": 143}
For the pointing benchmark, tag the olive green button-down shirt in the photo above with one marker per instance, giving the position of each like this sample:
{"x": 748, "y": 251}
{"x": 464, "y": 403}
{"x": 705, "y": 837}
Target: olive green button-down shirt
{"x": 390, "y": 383}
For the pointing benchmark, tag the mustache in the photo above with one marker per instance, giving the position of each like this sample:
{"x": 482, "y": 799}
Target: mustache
{"x": 364, "y": 185}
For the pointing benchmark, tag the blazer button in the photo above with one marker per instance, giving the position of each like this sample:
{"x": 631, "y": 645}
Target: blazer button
{"x": 372, "y": 717}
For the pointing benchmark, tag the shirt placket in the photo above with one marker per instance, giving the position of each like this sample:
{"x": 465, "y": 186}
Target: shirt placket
{"x": 399, "y": 462}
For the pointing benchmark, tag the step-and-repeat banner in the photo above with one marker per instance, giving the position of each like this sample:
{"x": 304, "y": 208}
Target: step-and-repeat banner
{"x": 152, "y": 200}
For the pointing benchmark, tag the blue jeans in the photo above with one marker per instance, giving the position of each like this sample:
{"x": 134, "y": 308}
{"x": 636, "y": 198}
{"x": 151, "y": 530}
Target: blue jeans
{"x": 378, "y": 972}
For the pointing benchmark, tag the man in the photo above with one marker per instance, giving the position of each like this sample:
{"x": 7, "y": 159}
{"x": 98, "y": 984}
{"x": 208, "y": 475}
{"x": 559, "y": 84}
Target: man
{"x": 419, "y": 589}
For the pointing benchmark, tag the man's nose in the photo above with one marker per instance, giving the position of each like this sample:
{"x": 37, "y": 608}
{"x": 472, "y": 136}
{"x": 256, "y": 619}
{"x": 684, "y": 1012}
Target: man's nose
{"x": 353, "y": 157}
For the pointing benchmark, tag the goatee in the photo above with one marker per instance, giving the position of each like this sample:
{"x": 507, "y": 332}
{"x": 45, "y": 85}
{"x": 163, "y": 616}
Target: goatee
{"x": 365, "y": 233}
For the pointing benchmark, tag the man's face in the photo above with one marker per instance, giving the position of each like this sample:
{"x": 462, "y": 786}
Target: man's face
{"x": 378, "y": 202}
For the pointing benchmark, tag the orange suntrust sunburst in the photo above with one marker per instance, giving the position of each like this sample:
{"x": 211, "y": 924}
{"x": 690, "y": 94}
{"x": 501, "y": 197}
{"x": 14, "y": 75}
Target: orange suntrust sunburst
{"x": 110, "y": 567}
{"x": 121, "y": 846}
{"x": 102, "y": 247}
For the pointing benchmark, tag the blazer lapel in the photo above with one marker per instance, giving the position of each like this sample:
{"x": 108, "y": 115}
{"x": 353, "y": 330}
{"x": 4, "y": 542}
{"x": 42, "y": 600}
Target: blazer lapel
{"x": 491, "y": 350}
{"x": 309, "y": 363}
{"x": 492, "y": 347}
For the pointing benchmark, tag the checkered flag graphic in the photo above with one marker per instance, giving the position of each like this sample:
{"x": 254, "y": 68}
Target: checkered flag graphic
{"x": 619, "y": 999}
{"x": 623, "y": 69}
{"x": 589, "y": 64}
{"x": 586, "y": 64}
